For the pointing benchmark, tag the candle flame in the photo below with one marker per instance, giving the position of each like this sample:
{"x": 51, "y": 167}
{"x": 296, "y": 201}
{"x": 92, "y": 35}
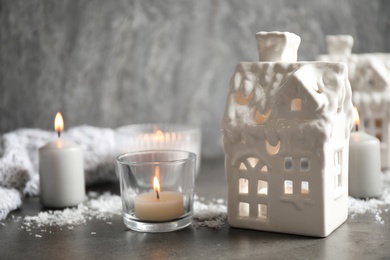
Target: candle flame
{"x": 156, "y": 186}
{"x": 156, "y": 182}
{"x": 356, "y": 118}
{"x": 159, "y": 135}
{"x": 59, "y": 123}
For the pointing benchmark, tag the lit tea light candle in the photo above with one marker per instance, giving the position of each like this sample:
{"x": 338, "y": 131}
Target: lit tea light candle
{"x": 157, "y": 205}
{"x": 364, "y": 163}
{"x": 61, "y": 171}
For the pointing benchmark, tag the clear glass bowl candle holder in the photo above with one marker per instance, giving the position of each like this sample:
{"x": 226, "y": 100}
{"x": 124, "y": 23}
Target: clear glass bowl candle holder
{"x": 164, "y": 207}
{"x": 142, "y": 137}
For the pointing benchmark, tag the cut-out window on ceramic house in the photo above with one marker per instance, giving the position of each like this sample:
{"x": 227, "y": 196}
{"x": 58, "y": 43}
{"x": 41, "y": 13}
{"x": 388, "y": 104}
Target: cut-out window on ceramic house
{"x": 262, "y": 118}
{"x": 243, "y": 100}
{"x": 272, "y": 150}
{"x": 338, "y": 174}
{"x": 243, "y": 167}
{"x": 296, "y": 104}
{"x": 262, "y": 211}
{"x": 304, "y": 166}
{"x": 288, "y": 187}
{"x": 288, "y": 163}
{"x": 243, "y": 187}
{"x": 243, "y": 209}
{"x": 305, "y": 187}
{"x": 252, "y": 161}
{"x": 262, "y": 187}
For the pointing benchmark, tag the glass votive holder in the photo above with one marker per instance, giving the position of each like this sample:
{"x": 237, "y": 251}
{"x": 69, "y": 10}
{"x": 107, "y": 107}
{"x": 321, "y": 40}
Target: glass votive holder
{"x": 142, "y": 137}
{"x": 157, "y": 189}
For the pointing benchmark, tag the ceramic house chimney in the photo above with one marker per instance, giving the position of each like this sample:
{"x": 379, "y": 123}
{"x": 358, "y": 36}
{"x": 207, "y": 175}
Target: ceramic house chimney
{"x": 277, "y": 46}
{"x": 339, "y": 44}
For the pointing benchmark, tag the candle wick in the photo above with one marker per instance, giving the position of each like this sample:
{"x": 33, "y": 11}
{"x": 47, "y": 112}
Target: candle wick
{"x": 356, "y": 128}
{"x": 158, "y": 195}
{"x": 59, "y": 134}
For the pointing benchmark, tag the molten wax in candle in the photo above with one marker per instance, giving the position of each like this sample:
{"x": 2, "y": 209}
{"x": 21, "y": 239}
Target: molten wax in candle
{"x": 168, "y": 206}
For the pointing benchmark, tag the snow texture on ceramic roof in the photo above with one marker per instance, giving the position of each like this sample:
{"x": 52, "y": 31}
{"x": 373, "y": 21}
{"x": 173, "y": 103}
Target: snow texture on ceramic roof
{"x": 362, "y": 66}
{"x": 266, "y": 89}
{"x": 369, "y": 74}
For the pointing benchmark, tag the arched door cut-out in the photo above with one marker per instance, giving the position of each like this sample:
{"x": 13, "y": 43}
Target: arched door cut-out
{"x": 253, "y": 197}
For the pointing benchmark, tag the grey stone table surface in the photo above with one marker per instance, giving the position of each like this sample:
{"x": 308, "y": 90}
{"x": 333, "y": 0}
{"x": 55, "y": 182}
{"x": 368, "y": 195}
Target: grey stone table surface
{"x": 361, "y": 237}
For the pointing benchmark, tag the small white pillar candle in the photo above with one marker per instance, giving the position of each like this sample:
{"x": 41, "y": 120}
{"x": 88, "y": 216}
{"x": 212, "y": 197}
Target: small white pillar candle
{"x": 61, "y": 172}
{"x": 158, "y": 206}
{"x": 364, "y": 165}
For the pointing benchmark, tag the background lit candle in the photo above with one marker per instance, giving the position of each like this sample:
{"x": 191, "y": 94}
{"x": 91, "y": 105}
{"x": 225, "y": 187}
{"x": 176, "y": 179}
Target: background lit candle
{"x": 61, "y": 172}
{"x": 364, "y": 163}
{"x": 144, "y": 137}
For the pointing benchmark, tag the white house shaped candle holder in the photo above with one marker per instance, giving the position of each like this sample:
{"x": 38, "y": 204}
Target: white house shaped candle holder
{"x": 285, "y": 133}
{"x": 369, "y": 74}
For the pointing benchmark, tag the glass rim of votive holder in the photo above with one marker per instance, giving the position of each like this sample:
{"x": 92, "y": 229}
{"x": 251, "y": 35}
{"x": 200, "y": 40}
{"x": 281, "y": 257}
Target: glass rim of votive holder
{"x": 164, "y": 127}
{"x": 189, "y": 156}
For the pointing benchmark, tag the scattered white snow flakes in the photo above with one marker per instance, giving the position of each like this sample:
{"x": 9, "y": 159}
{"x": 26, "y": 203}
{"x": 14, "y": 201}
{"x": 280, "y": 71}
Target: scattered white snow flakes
{"x": 210, "y": 214}
{"x": 101, "y": 207}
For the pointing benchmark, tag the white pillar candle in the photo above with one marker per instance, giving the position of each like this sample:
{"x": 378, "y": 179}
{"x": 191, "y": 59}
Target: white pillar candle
{"x": 364, "y": 164}
{"x": 61, "y": 173}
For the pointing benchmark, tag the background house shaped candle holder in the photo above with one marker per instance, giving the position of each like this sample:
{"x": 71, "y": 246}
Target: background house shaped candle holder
{"x": 369, "y": 74}
{"x": 285, "y": 133}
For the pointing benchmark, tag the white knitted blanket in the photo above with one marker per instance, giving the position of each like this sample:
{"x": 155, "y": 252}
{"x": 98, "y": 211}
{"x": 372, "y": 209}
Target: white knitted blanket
{"x": 19, "y": 160}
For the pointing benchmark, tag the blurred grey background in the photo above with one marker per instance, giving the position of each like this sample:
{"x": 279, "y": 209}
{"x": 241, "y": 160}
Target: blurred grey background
{"x": 113, "y": 63}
